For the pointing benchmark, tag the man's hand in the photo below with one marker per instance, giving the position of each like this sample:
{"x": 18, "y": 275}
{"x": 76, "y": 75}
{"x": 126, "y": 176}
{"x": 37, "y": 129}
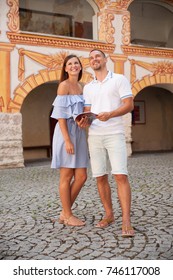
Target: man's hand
{"x": 104, "y": 116}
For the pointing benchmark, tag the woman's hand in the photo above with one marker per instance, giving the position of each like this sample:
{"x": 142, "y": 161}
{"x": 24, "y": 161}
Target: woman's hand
{"x": 69, "y": 147}
{"x": 83, "y": 123}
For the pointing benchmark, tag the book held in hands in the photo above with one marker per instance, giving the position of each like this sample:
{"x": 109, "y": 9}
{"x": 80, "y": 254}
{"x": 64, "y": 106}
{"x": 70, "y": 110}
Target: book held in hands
{"x": 89, "y": 115}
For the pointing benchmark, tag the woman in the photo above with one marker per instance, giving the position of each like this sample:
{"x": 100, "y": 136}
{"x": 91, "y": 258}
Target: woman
{"x": 70, "y": 152}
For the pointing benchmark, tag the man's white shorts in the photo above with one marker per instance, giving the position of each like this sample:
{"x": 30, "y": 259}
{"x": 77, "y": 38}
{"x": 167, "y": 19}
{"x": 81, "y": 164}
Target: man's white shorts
{"x": 105, "y": 149}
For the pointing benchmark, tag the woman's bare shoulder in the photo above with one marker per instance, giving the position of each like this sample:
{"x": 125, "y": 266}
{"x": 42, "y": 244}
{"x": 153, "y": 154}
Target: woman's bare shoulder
{"x": 63, "y": 88}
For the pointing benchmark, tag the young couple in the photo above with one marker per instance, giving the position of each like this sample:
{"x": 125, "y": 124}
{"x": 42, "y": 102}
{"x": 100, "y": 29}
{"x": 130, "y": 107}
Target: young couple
{"x": 109, "y": 96}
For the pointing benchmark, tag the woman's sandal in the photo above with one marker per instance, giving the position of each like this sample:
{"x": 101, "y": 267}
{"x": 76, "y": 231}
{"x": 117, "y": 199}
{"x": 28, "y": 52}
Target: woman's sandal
{"x": 61, "y": 219}
{"x": 128, "y": 231}
{"x": 73, "y": 221}
{"x": 105, "y": 222}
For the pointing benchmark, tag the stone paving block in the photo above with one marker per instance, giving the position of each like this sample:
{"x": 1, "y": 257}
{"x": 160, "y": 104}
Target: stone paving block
{"x": 10, "y": 258}
{"x": 43, "y": 257}
{"x": 95, "y": 254}
{"x": 107, "y": 255}
{"x": 85, "y": 252}
{"x": 141, "y": 256}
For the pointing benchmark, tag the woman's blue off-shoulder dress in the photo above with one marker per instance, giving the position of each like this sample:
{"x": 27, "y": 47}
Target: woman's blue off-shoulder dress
{"x": 68, "y": 107}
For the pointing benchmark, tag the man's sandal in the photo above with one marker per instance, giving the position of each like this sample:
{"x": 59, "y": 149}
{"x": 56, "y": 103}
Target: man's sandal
{"x": 128, "y": 231}
{"x": 105, "y": 222}
{"x": 73, "y": 221}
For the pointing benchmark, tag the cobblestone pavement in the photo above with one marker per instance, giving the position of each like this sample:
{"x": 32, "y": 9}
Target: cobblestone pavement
{"x": 29, "y": 200}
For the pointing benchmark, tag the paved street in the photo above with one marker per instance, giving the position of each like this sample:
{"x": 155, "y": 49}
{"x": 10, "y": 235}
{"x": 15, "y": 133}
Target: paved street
{"x": 29, "y": 200}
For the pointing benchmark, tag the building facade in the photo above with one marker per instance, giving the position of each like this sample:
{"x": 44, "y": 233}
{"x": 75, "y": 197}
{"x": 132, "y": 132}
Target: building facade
{"x": 35, "y": 37}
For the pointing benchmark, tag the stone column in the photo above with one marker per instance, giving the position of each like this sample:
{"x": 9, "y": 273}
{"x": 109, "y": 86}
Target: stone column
{"x": 11, "y": 151}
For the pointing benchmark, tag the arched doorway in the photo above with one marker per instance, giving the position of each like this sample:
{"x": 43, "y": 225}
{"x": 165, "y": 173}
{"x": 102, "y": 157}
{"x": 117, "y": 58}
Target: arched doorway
{"x": 152, "y": 128}
{"x": 37, "y": 126}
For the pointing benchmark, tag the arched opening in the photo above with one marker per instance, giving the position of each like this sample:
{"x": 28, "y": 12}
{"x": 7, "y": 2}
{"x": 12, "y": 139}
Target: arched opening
{"x": 152, "y": 128}
{"x": 71, "y": 18}
{"x": 151, "y": 23}
{"x": 37, "y": 126}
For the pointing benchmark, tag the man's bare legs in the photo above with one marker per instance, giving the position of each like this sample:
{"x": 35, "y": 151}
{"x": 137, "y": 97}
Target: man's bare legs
{"x": 105, "y": 196}
{"x": 124, "y": 195}
{"x": 69, "y": 191}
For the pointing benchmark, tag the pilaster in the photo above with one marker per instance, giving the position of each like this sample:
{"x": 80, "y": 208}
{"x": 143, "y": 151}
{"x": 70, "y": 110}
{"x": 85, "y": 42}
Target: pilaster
{"x": 119, "y": 61}
{"x": 5, "y": 50}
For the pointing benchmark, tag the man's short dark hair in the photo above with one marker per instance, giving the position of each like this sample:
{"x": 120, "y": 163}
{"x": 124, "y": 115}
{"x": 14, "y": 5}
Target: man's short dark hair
{"x": 98, "y": 51}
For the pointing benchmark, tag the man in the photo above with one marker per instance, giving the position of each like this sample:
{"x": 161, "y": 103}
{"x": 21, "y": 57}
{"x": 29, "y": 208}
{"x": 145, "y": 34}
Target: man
{"x": 109, "y": 95}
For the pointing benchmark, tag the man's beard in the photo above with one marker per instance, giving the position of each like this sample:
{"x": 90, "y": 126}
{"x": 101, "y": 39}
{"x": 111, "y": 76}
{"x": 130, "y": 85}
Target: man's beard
{"x": 97, "y": 67}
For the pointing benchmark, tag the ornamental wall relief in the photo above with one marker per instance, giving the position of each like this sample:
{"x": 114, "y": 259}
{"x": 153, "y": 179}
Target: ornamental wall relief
{"x": 53, "y": 64}
{"x": 106, "y": 31}
{"x": 161, "y": 73}
{"x": 126, "y": 29}
{"x": 157, "y": 68}
{"x": 121, "y": 5}
{"x": 102, "y": 3}
{"x": 106, "y": 34}
{"x": 13, "y": 15}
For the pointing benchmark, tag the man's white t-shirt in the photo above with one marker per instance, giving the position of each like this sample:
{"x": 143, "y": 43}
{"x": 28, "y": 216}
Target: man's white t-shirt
{"x": 107, "y": 96}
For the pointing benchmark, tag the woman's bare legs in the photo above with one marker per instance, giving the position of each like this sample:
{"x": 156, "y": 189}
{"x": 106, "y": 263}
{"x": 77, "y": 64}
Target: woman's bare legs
{"x": 80, "y": 176}
{"x": 69, "y": 191}
{"x": 66, "y": 175}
